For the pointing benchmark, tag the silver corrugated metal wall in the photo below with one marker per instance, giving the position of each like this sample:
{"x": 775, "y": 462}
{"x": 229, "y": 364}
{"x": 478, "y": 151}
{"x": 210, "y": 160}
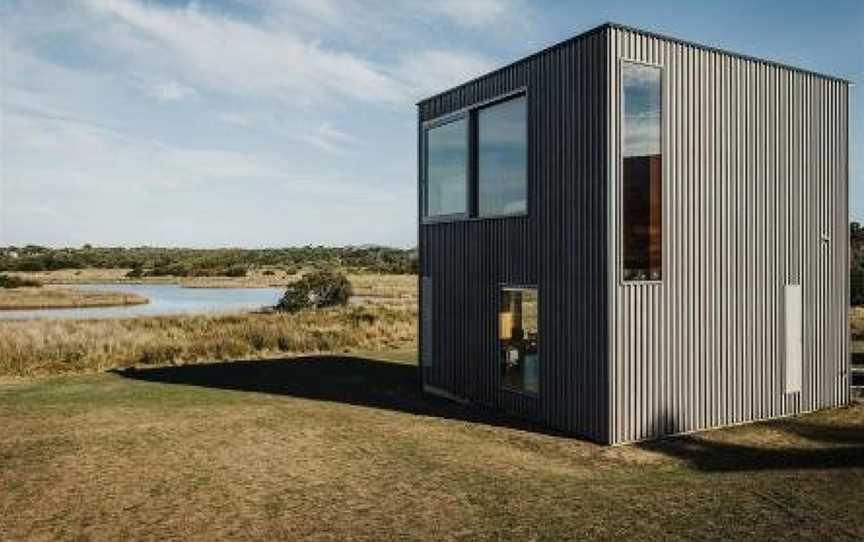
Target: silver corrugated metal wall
{"x": 755, "y": 197}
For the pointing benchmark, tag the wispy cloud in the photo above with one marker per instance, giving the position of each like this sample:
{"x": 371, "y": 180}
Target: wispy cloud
{"x": 477, "y": 13}
{"x": 172, "y": 91}
{"x": 328, "y": 139}
{"x": 263, "y": 58}
{"x": 230, "y": 55}
{"x": 236, "y": 119}
{"x": 98, "y": 159}
{"x": 146, "y": 189}
{"x": 436, "y": 70}
{"x": 276, "y": 114}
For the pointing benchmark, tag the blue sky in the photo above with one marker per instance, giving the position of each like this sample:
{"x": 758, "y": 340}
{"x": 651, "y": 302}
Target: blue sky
{"x": 273, "y": 123}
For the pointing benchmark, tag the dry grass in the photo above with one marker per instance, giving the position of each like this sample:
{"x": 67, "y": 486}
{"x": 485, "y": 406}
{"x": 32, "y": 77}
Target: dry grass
{"x": 81, "y": 276}
{"x": 349, "y": 449}
{"x": 67, "y": 346}
{"x": 254, "y": 279}
{"x": 368, "y": 284}
{"x": 388, "y": 289}
{"x": 52, "y": 297}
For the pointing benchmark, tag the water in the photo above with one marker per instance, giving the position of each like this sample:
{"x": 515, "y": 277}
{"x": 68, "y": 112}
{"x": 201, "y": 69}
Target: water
{"x": 164, "y": 299}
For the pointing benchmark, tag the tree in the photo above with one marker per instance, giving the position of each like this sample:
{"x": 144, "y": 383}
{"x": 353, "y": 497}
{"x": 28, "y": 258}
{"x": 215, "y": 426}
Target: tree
{"x": 315, "y": 290}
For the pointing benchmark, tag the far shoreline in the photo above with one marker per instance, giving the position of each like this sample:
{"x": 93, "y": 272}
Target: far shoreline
{"x": 73, "y": 277}
{"x": 57, "y": 297}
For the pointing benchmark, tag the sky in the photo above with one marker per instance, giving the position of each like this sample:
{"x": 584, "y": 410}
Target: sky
{"x": 291, "y": 122}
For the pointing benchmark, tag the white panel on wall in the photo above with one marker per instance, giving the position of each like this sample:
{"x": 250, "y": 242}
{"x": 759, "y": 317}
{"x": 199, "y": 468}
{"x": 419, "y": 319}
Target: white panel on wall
{"x": 793, "y": 338}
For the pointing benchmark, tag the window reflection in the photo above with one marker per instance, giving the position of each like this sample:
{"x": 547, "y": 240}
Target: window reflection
{"x": 446, "y": 162}
{"x": 518, "y": 338}
{"x": 502, "y": 156}
{"x": 642, "y": 173}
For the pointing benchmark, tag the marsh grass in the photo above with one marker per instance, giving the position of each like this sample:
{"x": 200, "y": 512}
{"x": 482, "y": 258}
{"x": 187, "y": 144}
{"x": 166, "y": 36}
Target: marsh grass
{"x": 52, "y": 297}
{"x": 9, "y": 281}
{"x": 48, "y": 347}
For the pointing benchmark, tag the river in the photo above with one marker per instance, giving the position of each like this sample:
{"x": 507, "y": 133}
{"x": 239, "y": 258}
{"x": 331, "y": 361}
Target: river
{"x": 164, "y": 299}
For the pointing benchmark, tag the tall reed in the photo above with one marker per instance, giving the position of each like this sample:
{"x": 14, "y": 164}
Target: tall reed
{"x": 33, "y": 348}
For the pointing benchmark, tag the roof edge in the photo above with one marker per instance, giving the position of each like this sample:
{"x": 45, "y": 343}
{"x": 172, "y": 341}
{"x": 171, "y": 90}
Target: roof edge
{"x": 647, "y": 33}
{"x": 742, "y": 56}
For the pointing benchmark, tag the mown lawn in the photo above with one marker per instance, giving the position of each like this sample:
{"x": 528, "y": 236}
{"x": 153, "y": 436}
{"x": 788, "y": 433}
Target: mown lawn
{"x": 328, "y": 448}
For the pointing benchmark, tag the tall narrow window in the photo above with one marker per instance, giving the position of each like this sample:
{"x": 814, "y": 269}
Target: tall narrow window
{"x": 518, "y": 337}
{"x": 502, "y": 158}
{"x": 642, "y": 184}
{"x": 446, "y": 169}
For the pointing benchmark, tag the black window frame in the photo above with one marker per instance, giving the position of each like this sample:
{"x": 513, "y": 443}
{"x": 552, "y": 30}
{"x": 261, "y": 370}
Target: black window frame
{"x": 622, "y": 280}
{"x": 469, "y": 113}
{"x": 507, "y": 286}
{"x": 475, "y": 114}
{"x": 436, "y": 123}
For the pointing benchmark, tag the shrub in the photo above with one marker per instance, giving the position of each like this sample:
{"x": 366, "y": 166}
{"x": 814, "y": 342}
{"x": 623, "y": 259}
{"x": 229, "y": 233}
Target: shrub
{"x": 174, "y": 269}
{"x": 134, "y": 273}
{"x": 268, "y": 272}
{"x": 9, "y": 281}
{"x": 315, "y": 290}
{"x": 235, "y": 271}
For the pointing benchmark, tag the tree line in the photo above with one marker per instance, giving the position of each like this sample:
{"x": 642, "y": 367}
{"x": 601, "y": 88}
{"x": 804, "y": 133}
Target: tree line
{"x": 156, "y": 261}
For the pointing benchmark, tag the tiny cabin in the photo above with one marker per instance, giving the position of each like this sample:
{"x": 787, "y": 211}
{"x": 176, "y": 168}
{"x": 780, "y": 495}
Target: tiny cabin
{"x": 627, "y": 235}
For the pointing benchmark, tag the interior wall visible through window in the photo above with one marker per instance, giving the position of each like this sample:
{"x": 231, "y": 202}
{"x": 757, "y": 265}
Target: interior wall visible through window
{"x": 518, "y": 337}
{"x": 642, "y": 173}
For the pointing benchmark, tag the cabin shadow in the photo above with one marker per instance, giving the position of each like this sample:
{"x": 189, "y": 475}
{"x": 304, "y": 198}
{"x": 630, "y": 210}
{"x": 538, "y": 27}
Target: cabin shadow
{"x": 825, "y": 446}
{"x": 341, "y": 379}
{"x": 395, "y": 386}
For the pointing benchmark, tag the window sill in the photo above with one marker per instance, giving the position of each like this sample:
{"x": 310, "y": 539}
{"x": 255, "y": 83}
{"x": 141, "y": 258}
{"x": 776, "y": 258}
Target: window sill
{"x": 632, "y": 283}
{"x": 439, "y": 219}
{"x": 447, "y": 219}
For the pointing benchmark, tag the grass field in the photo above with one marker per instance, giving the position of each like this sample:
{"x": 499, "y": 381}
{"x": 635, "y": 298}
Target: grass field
{"x": 48, "y": 347}
{"x": 53, "y": 297}
{"x": 337, "y": 448}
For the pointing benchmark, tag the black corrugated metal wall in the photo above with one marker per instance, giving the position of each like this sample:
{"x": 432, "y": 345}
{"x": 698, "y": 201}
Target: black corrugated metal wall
{"x": 560, "y": 246}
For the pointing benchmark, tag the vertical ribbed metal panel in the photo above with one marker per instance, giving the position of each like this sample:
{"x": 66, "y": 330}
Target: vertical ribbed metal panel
{"x": 755, "y": 197}
{"x": 560, "y": 247}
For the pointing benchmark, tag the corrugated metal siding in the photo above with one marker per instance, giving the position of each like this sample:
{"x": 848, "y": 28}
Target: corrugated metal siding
{"x": 560, "y": 246}
{"x": 755, "y": 175}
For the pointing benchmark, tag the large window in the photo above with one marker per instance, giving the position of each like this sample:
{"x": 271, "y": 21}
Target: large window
{"x": 446, "y": 169}
{"x": 642, "y": 185}
{"x": 518, "y": 336}
{"x": 477, "y": 164}
{"x": 502, "y": 158}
